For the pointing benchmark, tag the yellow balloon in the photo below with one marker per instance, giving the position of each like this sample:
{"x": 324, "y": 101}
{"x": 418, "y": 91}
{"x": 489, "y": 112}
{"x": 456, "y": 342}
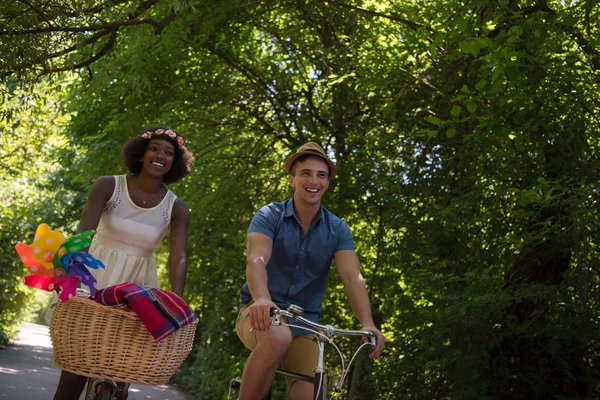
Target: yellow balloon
{"x": 45, "y": 244}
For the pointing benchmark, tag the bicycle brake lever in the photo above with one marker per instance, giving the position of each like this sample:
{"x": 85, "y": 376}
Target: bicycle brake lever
{"x": 373, "y": 341}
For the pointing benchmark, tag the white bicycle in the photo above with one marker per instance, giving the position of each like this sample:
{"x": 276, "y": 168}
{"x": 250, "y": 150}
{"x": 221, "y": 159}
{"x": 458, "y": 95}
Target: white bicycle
{"x": 324, "y": 334}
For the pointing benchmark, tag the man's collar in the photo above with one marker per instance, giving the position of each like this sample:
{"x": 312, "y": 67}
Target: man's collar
{"x": 289, "y": 209}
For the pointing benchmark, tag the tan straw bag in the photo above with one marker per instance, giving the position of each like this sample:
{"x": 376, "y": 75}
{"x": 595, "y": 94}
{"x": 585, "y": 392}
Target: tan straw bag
{"x": 94, "y": 340}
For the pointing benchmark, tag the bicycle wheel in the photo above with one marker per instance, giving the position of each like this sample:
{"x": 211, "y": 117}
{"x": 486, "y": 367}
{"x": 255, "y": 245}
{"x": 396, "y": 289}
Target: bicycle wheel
{"x": 104, "y": 391}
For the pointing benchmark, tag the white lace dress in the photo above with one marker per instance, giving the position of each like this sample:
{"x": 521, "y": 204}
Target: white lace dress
{"x": 125, "y": 240}
{"x": 127, "y": 236}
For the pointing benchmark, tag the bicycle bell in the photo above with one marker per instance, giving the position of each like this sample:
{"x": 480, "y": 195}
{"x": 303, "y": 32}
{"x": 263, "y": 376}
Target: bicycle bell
{"x": 296, "y": 310}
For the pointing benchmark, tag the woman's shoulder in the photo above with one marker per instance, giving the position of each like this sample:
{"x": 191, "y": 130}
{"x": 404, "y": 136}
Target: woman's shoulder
{"x": 180, "y": 204}
{"x": 180, "y": 209}
{"x": 104, "y": 184}
{"x": 108, "y": 180}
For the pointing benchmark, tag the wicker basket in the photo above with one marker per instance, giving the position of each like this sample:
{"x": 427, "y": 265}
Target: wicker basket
{"x": 94, "y": 340}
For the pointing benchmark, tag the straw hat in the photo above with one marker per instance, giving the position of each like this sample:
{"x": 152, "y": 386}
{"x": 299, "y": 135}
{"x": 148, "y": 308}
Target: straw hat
{"x": 313, "y": 149}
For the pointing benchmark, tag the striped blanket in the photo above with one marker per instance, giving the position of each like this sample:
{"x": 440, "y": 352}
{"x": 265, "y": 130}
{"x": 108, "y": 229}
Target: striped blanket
{"x": 162, "y": 312}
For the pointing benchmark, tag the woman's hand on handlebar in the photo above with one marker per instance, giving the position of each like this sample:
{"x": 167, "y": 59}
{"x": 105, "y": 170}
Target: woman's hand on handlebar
{"x": 379, "y": 341}
{"x": 260, "y": 319}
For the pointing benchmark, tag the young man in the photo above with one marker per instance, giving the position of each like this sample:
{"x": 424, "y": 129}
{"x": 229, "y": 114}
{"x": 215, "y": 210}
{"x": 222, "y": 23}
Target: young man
{"x": 290, "y": 247}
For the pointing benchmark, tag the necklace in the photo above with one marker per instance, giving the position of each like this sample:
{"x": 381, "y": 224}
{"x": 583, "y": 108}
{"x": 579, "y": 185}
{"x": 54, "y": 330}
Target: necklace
{"x": 137, "y": 185}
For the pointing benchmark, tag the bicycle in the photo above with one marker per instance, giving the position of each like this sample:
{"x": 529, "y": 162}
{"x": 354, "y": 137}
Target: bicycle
{"x": 95, "y": 388}
{"x": 100, "y": 389}
{"x": 324, "y": 334}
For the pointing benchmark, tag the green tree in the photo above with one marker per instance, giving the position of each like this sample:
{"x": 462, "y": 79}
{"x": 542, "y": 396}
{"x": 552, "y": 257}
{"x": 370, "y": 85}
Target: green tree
{"x": 33, "y": 189}
{"x": 466, "y": 141}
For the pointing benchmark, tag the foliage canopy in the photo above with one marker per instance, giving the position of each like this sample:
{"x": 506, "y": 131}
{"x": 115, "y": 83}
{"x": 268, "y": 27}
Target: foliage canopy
{"x": 466, "y": 139}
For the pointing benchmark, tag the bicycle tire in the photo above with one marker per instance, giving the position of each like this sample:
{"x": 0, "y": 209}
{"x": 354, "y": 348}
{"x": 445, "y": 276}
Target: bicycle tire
{"x": 104, "y": 391}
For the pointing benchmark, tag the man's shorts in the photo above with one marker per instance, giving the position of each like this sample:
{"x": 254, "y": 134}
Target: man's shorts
{"x": 300, "y": 358}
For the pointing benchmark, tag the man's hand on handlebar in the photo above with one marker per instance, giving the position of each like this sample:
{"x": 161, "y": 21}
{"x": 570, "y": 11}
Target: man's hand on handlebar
{"x": 260, "y": 319}
{"x": 380, "y": 341}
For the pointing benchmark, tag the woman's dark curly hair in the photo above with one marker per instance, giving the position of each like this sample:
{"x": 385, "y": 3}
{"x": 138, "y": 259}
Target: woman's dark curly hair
{"x": 133, "y": 151}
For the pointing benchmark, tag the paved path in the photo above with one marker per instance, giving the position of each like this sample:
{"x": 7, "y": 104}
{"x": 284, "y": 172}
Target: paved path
{"x": 27, "y": 371}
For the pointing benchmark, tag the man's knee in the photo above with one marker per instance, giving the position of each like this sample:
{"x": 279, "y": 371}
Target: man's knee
{"x": 277, "y": 339}
{"x": 281, "y": 336}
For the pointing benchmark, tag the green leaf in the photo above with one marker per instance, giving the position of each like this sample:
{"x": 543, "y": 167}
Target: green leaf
{"x": 432, "y": 119}
{"x": 456, "y": 110}
{"x": 471, "y": 107}
{"x": 469, "y": 47}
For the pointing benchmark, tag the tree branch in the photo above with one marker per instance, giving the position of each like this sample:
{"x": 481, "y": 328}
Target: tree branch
{"x": 79, "y": 29}
{"x": 37, "y": 11}
{"x": 77, "y": 35}
{"x": 396, "y": 18}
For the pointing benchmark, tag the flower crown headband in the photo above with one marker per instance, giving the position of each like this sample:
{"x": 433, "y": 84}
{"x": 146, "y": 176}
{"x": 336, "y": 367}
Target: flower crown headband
{"x": 170, "y": 133}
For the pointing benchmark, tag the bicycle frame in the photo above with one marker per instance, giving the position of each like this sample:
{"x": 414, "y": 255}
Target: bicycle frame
{"x": 324, "y": 333}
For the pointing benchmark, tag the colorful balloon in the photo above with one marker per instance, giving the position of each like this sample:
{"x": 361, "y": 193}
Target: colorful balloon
{"x": 57, "y": 262}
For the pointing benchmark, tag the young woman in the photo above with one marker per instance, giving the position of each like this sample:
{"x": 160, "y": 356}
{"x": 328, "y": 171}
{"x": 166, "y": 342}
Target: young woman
{"x": 131, "y": 214}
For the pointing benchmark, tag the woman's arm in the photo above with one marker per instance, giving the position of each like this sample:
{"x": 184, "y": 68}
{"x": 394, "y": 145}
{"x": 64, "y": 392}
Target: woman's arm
{"x": 180, "y": 219}
{"x": 99, "y": 194}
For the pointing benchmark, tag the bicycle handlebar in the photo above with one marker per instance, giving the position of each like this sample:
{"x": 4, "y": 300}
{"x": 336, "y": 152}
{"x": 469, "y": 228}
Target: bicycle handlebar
{"x": 294, "y": 312}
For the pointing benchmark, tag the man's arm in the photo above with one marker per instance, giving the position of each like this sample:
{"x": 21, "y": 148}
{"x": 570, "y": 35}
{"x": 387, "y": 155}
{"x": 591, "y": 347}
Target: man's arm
{"x": 178, "y": 246}
{"x": 348, "y": 268}
{"x": 259, "y": 247}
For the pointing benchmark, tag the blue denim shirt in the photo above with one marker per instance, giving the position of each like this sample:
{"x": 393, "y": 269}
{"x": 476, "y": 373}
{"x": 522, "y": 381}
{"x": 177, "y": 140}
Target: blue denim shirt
{"x": 299, "y": 264}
